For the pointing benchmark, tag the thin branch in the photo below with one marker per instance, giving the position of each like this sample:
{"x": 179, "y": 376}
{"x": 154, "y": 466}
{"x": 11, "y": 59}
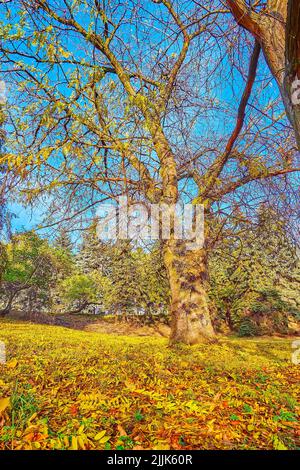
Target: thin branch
{"x": 219, "y": 164}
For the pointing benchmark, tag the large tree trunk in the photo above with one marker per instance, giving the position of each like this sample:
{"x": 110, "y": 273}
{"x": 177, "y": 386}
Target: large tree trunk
{"x": 190, "y": 316}
{"x": 292, "y": 62}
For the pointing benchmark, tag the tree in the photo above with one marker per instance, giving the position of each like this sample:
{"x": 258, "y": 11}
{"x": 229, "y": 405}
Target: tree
{"x": 275, "y": 24}
{"x": 83, "y": 290}
{"x": 63, "y": 241}
{"x": 137, "y": 276}
{"x": 121, "y": 266}
{"x": 30, "y": 266}
{"x": 93, "y": 255}
{"x": 153, "y": 282}
{"x": 103, "y": 116}
{"x": 292, "y": 62}
{"x": 3, "y": 260}
{"x": 3, "y": 167}
{"x": 253, "y": 271}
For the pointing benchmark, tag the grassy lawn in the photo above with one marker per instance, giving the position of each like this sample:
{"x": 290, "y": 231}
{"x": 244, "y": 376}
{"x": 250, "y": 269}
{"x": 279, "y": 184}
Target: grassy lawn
{"x": 67, "y": 389}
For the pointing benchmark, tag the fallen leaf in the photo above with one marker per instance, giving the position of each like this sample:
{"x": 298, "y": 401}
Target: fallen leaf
{"x": 74, "y": 445}
{"x": 12, "y": 364}
{"x": 99, "y": 436}
{"x": 4, "y": 403}
{"x": 121, "y": 430}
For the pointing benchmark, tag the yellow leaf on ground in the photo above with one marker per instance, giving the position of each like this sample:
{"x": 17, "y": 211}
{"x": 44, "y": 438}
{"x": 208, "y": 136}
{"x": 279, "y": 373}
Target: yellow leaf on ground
{"x": 80, "y": 430}
{"x": 12, "y": 364}
{"x": 66, "y": 441}
{"x": 278, "y": 444}
{"x": 32, "y": 418}
{"x": 4, "y": 403}
{"x": 74, "y": 445}
{"x": 161, "y": 446}
{"x": 81, "y": 442}
{"x": 100, "y": 435}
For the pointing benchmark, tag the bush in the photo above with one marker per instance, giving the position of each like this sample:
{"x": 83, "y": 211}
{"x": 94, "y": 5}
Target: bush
{"x": 247, "y": 327}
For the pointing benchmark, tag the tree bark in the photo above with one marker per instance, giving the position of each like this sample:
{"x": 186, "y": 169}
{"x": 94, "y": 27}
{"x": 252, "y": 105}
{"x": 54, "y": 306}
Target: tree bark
{"x": 292, "y": 62}
{"x": 190, "y": 315}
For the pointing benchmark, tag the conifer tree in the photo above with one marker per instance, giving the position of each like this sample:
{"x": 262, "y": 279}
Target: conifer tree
{"x": 257, "y": 270}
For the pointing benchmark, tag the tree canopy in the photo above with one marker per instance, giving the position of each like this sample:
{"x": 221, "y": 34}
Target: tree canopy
{"x": 161, "y": 101}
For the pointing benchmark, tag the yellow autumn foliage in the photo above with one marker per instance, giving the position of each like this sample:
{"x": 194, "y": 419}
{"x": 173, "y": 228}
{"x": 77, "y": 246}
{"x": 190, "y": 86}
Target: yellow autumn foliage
{"x": 68, "y": 389}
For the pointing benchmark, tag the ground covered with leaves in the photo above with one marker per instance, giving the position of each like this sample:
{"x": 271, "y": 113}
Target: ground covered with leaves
{"x": 67, "y": 389}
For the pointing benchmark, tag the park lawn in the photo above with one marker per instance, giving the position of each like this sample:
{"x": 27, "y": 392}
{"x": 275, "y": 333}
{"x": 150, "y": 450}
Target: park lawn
{"x": 67, "y": 389}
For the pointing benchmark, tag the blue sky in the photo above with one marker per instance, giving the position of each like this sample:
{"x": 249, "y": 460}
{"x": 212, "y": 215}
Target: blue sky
{"x": 27, "y": 218}
{"x": 24, "y": 218}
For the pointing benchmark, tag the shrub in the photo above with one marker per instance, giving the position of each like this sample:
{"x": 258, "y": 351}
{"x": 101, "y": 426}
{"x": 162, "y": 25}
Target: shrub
{"x": 247, "y": 327}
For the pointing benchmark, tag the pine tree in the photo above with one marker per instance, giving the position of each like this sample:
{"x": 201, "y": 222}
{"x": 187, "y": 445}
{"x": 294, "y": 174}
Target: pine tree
{"x": 127, "y": 294}
{"x": 63, "y": 241}
{"x": 255, "y": 271}
{"x": 93, "y": 253}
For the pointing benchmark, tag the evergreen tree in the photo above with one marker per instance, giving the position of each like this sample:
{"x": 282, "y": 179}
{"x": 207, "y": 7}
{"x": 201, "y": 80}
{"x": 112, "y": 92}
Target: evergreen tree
{"x": 250, "y": 271}
{"x": 124, "y": 275}
{"x": 93, "y": 253}
{"x": 63, "y": 241}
